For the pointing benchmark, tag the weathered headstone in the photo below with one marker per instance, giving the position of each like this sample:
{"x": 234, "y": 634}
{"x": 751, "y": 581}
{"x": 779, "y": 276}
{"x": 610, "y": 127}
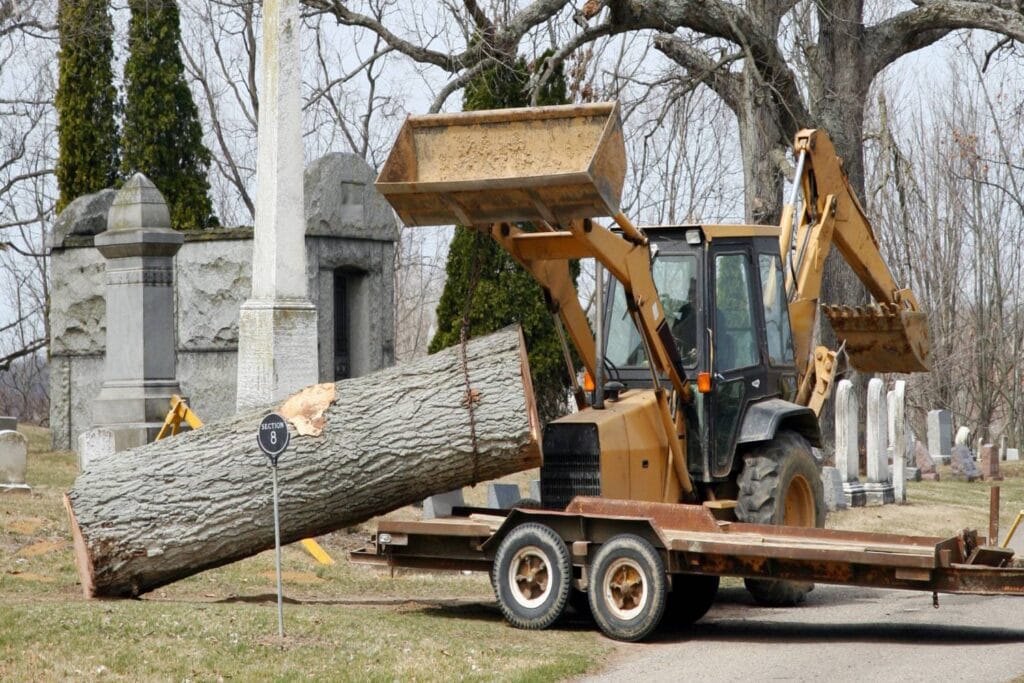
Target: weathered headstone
{"x": 847, "y": 455}
{"x": 140, "y": 363}
{"x": 963, "y": 436}
{"x": 878, "y": 490}
{"x": 13, "y": 462}
{"x": 535, "y": 489}
{"x": 925, "y": 463}
{"x": 277, "y": 325}
{"x": 940, "y": 436}
{"x": 502, "y": 496}
{"x": 8, "y": 423}
{"x": 1012, "y": 455}
{"x": 93, "y": 444}
{"x": 1002, "y": 447}
{"x": 963, "y": 465}
{"x": 832, "y": 481}
{"x": 990, "y": 463}
{"x": 441, "y": 504}
{"x": 897, "y": 401}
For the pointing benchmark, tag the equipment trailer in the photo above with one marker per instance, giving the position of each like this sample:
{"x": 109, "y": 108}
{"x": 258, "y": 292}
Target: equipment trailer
{"x": 639, "y": 561}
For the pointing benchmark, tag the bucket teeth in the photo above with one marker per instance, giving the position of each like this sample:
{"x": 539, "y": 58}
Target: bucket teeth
{"x": 881, "y": 337}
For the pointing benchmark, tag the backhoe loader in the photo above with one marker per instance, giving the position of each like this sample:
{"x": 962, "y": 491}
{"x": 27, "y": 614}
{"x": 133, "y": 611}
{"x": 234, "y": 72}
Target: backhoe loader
{"x": 707, "y": 384}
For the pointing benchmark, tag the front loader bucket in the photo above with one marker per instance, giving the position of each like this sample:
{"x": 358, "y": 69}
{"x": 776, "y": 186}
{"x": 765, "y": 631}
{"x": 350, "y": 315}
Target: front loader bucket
{"x": 542, "y": 163}
{"x": 882, "y": 337}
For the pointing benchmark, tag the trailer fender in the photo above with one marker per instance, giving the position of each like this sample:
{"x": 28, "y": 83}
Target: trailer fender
{"x": 766, "y": 418}
{"x": 574, "y": 527}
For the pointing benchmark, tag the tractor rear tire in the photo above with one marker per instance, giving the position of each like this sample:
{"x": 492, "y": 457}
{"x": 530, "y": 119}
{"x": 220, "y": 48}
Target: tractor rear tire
{"x": 781, "y": 485}
{"x": 532, "y": 576}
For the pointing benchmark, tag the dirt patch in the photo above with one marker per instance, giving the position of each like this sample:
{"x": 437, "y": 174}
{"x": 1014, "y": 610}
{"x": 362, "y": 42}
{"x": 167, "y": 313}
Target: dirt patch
{"x": 41, "y": 548}
{"x": 24, "y": 525}
{"x": 31, "y": 576}
{"x": 301, "y": 578}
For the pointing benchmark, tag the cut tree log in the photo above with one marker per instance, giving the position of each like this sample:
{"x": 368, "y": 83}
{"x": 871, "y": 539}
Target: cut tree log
{"x": 149, "y": 516}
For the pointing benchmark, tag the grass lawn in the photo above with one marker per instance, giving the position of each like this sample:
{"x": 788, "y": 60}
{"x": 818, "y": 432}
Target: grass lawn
{"x": 342, "y": 622}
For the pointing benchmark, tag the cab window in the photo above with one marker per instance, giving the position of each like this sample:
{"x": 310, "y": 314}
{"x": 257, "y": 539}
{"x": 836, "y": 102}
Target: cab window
{"x": 735, "y": 343}
{"x": 675, "y": 277}
{"x": 776, "y": 310}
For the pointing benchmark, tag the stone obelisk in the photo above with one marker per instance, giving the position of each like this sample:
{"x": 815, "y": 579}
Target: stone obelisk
{"x": 277, "y": 328}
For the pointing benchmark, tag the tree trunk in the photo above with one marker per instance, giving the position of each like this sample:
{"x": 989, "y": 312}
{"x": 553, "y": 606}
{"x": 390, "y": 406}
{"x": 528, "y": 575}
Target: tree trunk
{"x": 359, "y": 448}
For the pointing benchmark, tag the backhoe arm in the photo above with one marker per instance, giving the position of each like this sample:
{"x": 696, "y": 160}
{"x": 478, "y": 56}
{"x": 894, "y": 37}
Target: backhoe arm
{"x": 889, "y": 337}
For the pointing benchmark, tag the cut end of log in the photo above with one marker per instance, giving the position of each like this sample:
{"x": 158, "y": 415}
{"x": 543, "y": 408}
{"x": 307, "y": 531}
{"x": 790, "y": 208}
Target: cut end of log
{"x": 82, "y": 560}
{"x": 531, "y": 399}
{"x": 307, "y": 409}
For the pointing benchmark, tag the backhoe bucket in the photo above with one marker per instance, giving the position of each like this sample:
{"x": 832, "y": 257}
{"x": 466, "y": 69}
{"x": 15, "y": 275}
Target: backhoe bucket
{"x": 882, "y": 337}
{"x": 543, "y": 163}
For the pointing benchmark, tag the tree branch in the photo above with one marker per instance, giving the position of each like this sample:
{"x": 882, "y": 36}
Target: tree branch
{"x": 913, "y": 29}
{"x": 702, "y": 69}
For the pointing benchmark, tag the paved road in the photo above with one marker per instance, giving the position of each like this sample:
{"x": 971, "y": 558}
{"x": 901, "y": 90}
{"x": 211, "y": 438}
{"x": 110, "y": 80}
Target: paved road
{"x": 840, "y": 634}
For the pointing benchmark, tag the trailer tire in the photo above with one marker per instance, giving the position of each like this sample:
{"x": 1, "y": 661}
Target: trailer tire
{"x": 532, "y": 576}
{"x": 628, "y": 588}
{"x": 781, "y": 484}
{"x": 691, "y": 597}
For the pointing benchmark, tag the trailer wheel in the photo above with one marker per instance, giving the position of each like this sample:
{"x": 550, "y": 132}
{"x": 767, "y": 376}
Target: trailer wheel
{"x": 691, "y": 597}
{"x": 781, "y": 484}
{"x": 628, "y": 588}
{"x": 532, "y": 576}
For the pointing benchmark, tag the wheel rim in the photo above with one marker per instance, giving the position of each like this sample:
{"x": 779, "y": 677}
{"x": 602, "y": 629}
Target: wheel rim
{"x": 529, "y": 577}
{"x": 799, "y": 505}
{"x": 625, "y": 589}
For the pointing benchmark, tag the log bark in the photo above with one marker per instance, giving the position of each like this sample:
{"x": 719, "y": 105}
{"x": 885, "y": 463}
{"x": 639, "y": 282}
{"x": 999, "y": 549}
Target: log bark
{"x": 149, "y": 516}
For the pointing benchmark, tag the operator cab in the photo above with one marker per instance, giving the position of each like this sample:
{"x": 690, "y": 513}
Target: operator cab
{"x": 721, "y": 287}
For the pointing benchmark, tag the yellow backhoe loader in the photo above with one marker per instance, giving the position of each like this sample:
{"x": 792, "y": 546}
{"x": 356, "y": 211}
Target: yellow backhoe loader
{"x": 708, "y": 385}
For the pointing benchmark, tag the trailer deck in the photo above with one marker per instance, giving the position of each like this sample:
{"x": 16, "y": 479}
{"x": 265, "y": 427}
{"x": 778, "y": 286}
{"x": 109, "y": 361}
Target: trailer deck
{"x": 692, "y": 540}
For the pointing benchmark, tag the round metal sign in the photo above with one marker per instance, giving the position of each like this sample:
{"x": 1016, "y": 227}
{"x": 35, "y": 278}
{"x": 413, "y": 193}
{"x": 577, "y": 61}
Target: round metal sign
{"x": 272, "y": 436}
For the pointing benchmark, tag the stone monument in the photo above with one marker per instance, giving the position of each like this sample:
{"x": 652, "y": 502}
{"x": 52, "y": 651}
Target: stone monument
{"x": 277, "y": 326}
{"x": 139, "y": 375}
{"x": 878, "y": 489}
{"x": 940, "y": 436}
{"x": 847, "y": 451}
{"x": 990, "y": 463}
{"x": 93, "y": 444}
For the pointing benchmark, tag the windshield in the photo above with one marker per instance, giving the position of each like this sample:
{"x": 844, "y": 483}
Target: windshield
{"x": 676, "y": 280}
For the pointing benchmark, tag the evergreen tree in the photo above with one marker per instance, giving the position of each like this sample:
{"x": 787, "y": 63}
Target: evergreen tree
{"x": 162, "y": 136}
{"x": 86, "y": 100}
{"x": 504, "y": 293}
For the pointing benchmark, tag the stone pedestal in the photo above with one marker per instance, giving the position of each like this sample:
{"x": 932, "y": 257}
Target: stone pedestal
{"x": 832, "y": 482}
{"x": 13, "y": 462}
{"x": 139, "y": 366}
{"x": 277, "y": 327}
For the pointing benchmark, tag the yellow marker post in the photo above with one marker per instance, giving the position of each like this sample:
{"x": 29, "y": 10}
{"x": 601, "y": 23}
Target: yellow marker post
{"x": 318, "y": 553}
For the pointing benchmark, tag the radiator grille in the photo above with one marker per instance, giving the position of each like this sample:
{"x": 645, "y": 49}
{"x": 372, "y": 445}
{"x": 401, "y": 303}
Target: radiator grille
{"x": 572, "y": 464}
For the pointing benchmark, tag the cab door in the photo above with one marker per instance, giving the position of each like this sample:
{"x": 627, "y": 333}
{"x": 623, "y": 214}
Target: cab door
{"x": 735, "y": 356}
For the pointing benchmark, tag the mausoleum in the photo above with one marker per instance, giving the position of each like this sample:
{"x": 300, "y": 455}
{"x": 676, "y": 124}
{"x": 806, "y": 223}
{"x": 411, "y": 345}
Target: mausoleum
{"x": 350, "y": 245}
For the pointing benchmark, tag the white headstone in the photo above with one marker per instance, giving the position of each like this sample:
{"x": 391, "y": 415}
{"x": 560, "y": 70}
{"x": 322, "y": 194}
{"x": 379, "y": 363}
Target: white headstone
{"x": 878, "y": 462}
{"x": 847, "y": 455}
{"x": 963, "y": 437}
{"x": 93, "y": 444}
{"x": 13, "y": 461}
{"x": 1012, "y": 455}
{"x": 896, "y": 415}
